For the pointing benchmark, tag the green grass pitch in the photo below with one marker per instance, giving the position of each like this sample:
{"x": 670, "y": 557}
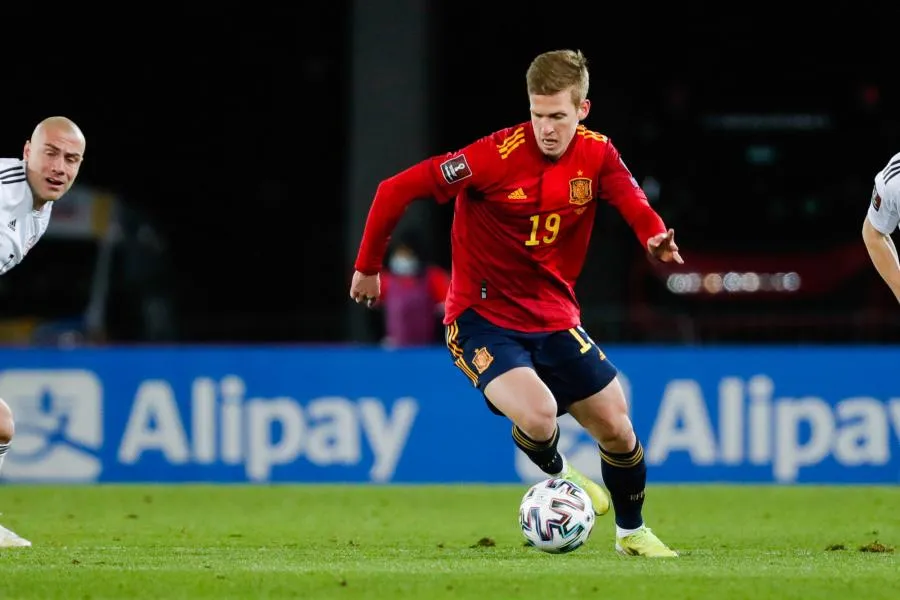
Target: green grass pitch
{"x": 424, "y": 542}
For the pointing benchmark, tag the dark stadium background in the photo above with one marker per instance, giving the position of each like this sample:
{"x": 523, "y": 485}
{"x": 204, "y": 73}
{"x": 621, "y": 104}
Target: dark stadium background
{"x": 251, "y": 140}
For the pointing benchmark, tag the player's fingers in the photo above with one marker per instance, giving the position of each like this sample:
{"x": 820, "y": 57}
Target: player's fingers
{"x": 678, "y": 258}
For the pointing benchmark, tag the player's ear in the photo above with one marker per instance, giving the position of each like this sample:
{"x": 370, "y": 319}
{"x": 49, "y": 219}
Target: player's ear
{"x": 584, "y": 109}
{"x": 27, "y": 151}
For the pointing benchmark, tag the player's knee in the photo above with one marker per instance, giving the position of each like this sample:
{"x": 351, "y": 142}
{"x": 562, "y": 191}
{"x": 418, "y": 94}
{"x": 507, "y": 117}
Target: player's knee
{"x": 521, "y": 395}
{"x": 607, "y": 425}
{"x": 618, "y": 434}
{"x": 7, "y": 425}
{"x": 539, "y": 423}
{"x": 605, "y": 416}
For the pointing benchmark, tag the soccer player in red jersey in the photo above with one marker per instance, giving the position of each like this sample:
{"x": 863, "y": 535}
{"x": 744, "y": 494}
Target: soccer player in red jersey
{"x": 525, "y": 201}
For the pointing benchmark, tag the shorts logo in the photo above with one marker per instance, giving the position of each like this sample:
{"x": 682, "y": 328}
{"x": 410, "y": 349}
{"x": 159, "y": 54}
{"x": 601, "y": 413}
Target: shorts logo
{"x": 876, "y": 199}
{"x": 580, "y": 190}
{"x": 482, "y": 360}
{"x": 456, "y": 169}
{"x": 59, "y": 426}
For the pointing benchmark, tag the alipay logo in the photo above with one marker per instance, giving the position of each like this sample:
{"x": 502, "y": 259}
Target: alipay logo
{"x": 59, "y": 427}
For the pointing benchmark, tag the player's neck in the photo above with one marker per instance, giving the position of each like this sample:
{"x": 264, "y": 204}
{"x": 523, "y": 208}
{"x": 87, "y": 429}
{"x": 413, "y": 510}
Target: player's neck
{"x": 37, "y": 205}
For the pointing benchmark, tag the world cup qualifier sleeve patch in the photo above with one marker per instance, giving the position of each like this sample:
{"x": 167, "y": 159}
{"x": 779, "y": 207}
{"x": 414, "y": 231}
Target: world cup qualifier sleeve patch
{"x": 876, "y": 199}
{"x": 456, "y": 169}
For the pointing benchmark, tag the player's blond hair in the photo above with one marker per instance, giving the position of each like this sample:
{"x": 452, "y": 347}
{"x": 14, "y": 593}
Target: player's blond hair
{"x": 558, "y": 70}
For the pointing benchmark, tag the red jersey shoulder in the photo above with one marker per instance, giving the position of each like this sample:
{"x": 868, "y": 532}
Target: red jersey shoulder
{"x": 600, "y": 150}
{"x": 484, "y": 162}
{"x": 591, "y": 151}
{"x": 508, "y": 141}
{"x": 593, "y": 142}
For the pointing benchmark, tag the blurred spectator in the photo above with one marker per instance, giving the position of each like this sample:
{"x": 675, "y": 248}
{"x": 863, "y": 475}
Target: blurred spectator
{"x": 412, "y": 296}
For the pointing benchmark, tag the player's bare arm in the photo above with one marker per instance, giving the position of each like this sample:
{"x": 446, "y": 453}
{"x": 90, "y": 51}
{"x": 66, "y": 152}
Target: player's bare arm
{"x": 883, "y": 253}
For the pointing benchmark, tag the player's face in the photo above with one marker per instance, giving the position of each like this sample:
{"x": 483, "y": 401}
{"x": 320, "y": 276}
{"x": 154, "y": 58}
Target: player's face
{"x": 54, "y": 157}
{"x": 554, "y": 120}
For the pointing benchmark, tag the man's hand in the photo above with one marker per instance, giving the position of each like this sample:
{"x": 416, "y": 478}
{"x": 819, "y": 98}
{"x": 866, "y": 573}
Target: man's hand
{"x": 365, "y": 288}
{"x": 662, "y": 246}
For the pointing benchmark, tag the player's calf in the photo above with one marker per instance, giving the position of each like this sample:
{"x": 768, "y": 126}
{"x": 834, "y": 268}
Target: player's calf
{"x": 542, "y": 453}
{"x": 605, "y": 416}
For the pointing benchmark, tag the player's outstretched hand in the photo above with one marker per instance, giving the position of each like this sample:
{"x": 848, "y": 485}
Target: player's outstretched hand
{"x": 662, "y": 246}
{"x": 365, "y": 288}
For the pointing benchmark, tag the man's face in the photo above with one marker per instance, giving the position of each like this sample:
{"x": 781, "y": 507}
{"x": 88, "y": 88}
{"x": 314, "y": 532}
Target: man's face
{"x": 54, "y": 156}
{"x": 554, "y": 120}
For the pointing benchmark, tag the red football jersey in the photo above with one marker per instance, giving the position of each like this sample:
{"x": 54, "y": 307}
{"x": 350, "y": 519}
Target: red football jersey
{"x": 522, "y": 222}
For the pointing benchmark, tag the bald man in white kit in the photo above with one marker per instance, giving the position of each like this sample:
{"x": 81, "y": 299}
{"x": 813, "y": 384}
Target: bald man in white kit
{"x": 28, "y": 188}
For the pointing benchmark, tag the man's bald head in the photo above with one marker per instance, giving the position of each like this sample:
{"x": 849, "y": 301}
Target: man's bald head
{"x": 61, "y": 125}
{"x": 53, "y": 155}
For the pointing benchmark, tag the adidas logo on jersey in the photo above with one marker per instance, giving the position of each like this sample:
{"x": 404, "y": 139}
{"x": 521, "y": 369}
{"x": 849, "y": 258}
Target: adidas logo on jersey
{"x": 12, "y": 225}
{"x": 519, "y": 194}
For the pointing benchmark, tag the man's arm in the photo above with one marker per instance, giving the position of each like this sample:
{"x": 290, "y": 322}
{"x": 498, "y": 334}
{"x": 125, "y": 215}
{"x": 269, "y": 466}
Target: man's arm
{"x": 620, "y": 189}
{"x": 392, "y": 198}
{"x": 884, "y": 255}
{"x": 439, "y": 177}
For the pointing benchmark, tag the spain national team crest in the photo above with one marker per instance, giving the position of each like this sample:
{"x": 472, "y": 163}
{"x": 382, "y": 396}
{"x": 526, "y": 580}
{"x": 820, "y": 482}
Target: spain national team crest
{"x": 580, "y": 190}
{"x": 482, "y": 360}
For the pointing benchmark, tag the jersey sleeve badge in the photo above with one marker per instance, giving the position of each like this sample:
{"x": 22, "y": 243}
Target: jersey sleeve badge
{"x": 456, "y": 169}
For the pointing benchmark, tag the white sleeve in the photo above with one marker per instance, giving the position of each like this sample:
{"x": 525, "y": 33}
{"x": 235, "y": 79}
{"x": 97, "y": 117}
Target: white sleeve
{"x": 884, "y": 210}
{"x": 7, "y": 201}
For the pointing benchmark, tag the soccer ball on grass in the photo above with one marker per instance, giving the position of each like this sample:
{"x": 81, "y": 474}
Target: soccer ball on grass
{"x": 556, "y": 516}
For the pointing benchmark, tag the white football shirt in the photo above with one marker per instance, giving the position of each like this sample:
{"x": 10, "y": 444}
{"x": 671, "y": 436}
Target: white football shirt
{"x": 884, "y": 210}
{"x": 20, "y": 225}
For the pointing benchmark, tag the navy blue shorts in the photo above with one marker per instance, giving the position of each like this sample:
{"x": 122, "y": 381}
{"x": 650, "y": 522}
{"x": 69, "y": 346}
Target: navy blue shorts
{"x": 568, "y": 361}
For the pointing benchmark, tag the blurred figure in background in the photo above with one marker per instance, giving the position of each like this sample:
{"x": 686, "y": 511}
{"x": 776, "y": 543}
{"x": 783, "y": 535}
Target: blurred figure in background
{"x": 412, "y": 296}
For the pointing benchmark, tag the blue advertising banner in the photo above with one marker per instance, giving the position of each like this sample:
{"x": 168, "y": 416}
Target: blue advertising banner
{"x": 233, "y": 414}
